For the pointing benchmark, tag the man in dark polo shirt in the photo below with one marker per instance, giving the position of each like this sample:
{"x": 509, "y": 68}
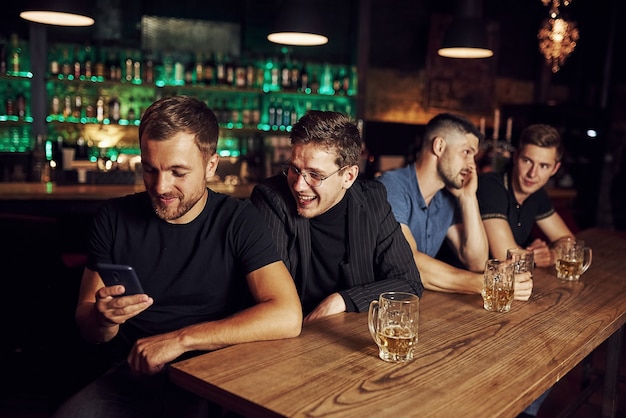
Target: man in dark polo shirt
{"x": 511, "y": 203}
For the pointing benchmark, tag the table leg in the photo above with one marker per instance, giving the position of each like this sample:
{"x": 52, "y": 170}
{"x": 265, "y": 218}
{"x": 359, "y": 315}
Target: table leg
{"x": 611, "y": 376}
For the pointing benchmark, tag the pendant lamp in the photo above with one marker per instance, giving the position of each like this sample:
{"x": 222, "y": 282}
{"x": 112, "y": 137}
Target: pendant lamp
{"x": 466, "y": 36}
{"x": 298, "y": 22}
{"x": 58, "y": 12}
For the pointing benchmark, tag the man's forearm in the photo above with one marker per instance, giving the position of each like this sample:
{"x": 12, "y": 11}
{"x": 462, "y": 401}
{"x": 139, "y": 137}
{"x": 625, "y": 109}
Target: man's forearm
{"x": 439, "y": 276}
{"x": 474, "y": 249}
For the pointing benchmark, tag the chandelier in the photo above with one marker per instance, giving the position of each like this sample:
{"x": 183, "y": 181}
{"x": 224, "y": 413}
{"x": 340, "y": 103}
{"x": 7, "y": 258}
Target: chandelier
{"x": 557, "y": 36}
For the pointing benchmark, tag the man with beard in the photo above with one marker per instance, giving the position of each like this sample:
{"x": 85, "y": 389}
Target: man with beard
{"x": 512, "y": 202}
{"x": 336, "y": 233}
{"x": 434, "y": 200}
{"x": 206, "y": 261}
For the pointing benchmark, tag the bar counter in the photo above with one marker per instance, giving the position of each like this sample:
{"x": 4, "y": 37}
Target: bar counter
{"x": 52, "y": 191}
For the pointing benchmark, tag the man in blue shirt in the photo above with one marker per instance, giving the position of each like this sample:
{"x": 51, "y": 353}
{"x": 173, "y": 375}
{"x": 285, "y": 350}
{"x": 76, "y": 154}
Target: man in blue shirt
{"x": 434, "y": 200}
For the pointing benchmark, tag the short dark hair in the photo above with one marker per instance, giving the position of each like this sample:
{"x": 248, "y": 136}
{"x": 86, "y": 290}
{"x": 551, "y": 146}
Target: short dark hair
{"x": 445, "y": 122}
{"x": 169, "y": 116}
{"x": 544, "y": 136}
{"x": 332, "y": 130}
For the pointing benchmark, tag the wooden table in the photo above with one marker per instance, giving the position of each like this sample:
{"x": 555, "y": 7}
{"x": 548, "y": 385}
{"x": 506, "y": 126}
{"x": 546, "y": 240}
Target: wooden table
{"x": 469, "y": 362}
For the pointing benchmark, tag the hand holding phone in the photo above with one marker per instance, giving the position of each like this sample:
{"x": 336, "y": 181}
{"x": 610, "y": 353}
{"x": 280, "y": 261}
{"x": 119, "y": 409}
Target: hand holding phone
{"x": 115, "y": 274}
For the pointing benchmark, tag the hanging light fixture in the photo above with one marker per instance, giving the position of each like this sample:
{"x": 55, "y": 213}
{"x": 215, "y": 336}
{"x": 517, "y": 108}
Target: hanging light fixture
{"x": 557, "y": 36}
{"x": 467, "y": 35}
{"x": 298, "y": 23}
{"x": 58, "y": 12}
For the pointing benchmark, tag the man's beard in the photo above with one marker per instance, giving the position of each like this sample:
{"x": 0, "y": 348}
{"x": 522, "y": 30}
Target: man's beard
{"x": 167, "y": 214}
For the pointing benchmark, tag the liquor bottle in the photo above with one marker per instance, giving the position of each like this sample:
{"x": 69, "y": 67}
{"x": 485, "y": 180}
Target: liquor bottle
{"x": 99, "y": 66}
{"x": 255, "y": 113}
{"x": 315, "y": 83}
{"x": 88, "y": 62}
{"x": 38, "y": 160}
{"x": 128, "y": 67}
{"x": 295, "y": 75}
{"x": 77, "y": 65}
{"x": 240, "y": 73}
{"x": 136, "y": 68}
{"x": 54, "y": 63}
{"x": 235, "y": 112}
{"x": 131, "y": 110}
{"x": 354, "y": 81}
{"x": 303, "y": 80}
{"x": 78, "y": 106}
{"x": 113, "y": 68}
{"x": 114, "y": 110}
{"x": 250, "y": 73}
{"x": 55, "y": 105}
{"x": 220, "y": 69}
{"x": 279, "y": 111}
{"x": 20, "y": 104}
{"x": 285, "y": 74}
{"x": 274, "y": 76}
{"x": 16, "y": 52}
{"x": 148, "y": 66}
{"x": 271, "y": 113}
{"x": 66, "y": 66}
{"x": 9, "y": 104}
{"x": 326, "y": 81}
{"x": 198, "y": 76}
{"x": 246, "y": 113}
{"x": 179, "y": 71}
{"x": 337, "y": 81}
{"x": 3, "y": 57}
{"x": 100, "y": 109}
{"x": 90, "y": 111}
{"x": 190, "y": 69}
{"x": 67, "y": 106}
{"x": 287, "y": 110}
{"x": 229, "y": 67}
{"x": 209, "y": 71}
{"x": 167, "y": 75}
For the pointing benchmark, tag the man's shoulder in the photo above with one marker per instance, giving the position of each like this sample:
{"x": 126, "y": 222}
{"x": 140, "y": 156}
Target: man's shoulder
{"x": 275, "y": 186}
{"x": 397, "y": 175}
{"x": 367, "y": 186}
{"x": 491, "y": 176}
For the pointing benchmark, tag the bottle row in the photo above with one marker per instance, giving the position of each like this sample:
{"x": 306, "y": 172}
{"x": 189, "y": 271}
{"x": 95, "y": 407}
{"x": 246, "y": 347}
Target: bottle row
{"x": 177, "y": 68}
{"x": 15, "y": 103}
{"x": 232, "y": 111}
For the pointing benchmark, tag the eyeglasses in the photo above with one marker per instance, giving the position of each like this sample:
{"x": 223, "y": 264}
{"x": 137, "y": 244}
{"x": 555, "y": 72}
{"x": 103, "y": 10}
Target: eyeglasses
{"x": 313, "y": 179}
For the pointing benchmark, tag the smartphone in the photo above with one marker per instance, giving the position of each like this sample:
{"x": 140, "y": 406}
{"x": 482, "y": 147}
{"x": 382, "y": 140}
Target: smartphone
{"x": 114, "y": 274}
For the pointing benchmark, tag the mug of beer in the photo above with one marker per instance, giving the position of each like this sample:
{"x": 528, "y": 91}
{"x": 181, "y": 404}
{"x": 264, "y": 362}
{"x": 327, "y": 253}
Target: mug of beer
{"x": 393, "y": 324}
{"x": 572, "y": 258}
{"x": 498, "y": 285}
{"x": 523, "y": 260}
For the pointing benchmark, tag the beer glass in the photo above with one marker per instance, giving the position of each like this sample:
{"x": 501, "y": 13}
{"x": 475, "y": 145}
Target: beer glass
{"x": 572, "y": 258}
{"x": 498, "y": 285}
{"x": 393, "y": 324}
{"x": 523, "y": 260}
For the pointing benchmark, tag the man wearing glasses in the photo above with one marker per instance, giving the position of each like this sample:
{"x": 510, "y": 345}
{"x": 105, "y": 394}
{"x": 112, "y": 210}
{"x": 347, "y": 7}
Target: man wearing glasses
{"x": 336, "y": 233}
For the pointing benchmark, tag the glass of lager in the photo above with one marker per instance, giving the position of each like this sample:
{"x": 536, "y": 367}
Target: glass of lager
{"x": 498, "y": 285}
{"x": 393, "y": 324}
{"x": 572, "y": 258}
{"x": 524, "y": 260}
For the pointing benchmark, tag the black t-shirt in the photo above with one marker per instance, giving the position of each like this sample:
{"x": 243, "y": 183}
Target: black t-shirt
{"x": 497, "y": 200}
{"x": 328, "y": 249}
{"x": 195, "y": 272}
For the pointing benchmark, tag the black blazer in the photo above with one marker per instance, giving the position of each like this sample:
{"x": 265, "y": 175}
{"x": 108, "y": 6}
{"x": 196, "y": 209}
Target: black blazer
{"x": 379, "y": 257}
